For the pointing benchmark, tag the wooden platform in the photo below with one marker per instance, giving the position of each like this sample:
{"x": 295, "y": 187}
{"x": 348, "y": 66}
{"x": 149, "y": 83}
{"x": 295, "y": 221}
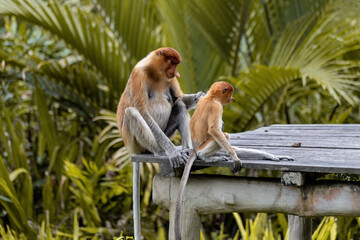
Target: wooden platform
{"x": 325, "y": 148}
{"x": 315, "y": 149}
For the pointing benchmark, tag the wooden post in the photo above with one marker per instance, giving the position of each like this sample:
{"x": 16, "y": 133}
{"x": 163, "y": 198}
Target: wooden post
{"x": 190, "y": 223}
{"x": 300, "y": 228}
{"x": 136, "y": 200}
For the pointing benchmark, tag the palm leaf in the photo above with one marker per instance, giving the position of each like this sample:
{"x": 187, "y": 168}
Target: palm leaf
{"x": 252, "y": 97}
{"x": 201, "y": 64}
{"x": 135, "y": 22}
{"x": 75, "y": 84}
{"x": 174, "y": 20}
{"x": 219, "y": 21}
{"x": 278, "y": 19}
{"x": 85, "y": 32}
{"x": 110, "y": 138}
{"x": 309, "y": 48}
{"x": 4, "y": 174}
{"x": 313, "y": 47}
{"x": 13, "y": 144}
{"x": 14, "y": 209}
{"x": 27, "y": 192}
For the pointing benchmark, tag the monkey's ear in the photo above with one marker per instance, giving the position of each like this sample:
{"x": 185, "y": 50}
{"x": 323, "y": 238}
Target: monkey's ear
{"x": 225, "y": 90}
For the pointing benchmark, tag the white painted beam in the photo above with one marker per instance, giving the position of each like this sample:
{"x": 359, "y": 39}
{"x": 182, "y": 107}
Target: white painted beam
{"x": 208, "y": 194}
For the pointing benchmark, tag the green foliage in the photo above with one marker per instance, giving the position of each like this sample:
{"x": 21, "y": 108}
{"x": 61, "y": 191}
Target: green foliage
{"x": 64, "y": 172}
{"x": 261, "y": 228}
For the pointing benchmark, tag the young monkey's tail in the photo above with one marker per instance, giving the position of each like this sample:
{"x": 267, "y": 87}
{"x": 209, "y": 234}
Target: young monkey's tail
{"x": 181, "y": 190}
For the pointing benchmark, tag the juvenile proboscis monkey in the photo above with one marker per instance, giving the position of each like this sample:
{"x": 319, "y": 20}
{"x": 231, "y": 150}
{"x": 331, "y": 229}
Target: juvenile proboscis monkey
{"x": 208, "y": 138}
{"x": 152, "y": 107}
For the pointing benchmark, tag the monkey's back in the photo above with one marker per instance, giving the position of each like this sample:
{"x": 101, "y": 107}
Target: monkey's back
{"x": 199, "y": 123}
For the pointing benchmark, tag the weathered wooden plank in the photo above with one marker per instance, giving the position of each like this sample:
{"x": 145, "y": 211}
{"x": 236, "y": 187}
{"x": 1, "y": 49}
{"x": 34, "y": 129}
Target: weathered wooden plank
{"x": 310, "y": 133}
{"x": 323, "y": 129}
{"x": 316, "y": 126}
{"x": 286, "y": 135}
{"x": 347, "y": 143}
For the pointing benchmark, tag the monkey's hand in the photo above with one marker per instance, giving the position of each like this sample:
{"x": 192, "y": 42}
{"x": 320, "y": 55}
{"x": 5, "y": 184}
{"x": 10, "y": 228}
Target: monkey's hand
{"x": 178, "y": 158}
{"x": 198, "y": 95}
{"x": 191, "y": 100}
{"x": 237, "y": 164}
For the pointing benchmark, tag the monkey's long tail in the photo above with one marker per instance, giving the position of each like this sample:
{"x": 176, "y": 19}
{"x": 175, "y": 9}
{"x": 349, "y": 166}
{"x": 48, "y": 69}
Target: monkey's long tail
{"x": 181, "y": 190}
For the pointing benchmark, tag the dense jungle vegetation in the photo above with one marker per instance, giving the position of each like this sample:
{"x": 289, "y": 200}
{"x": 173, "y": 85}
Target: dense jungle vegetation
{"x": 64, "y": 173}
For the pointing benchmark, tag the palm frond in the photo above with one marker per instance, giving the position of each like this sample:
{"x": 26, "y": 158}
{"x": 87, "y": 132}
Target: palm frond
{"x": 314, "y": 45}
{"x": 278, "y": 19}
{"x": 136, "y": 24}
{"x": 85, "y": 32}
{"x": 110, "y": 138}
{"x": 201, "y": 64}
{"x": 255, "y": 87}
{"x": 77, "y": 83}
{"x": 219, "y": 21}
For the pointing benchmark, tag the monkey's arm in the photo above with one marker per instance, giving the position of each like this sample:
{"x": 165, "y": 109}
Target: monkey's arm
{"x": 214, "y": 122}
{"x": 191, "y": 100}
{"x": 222, "y": 141}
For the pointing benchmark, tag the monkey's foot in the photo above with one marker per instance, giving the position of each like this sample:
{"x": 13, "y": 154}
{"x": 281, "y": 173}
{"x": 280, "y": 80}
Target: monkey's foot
{"x": 275, "y": 158}
{"x": 237, "y": 166}
{"x": 216, "y": 159}
{"x": 179, "y": 159}
{"x": 285, "y": 158}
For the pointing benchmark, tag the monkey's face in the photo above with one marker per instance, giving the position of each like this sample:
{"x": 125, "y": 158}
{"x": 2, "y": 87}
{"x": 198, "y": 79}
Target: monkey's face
{"x": 171, "y": 70}
{"x": 222, "y": 91}
{"x": 170, "y": 59}
{"x": 227, "y": 95}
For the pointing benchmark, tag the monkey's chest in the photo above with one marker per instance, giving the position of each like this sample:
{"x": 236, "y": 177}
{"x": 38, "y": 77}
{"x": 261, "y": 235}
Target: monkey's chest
{"x": 160, "y": 108}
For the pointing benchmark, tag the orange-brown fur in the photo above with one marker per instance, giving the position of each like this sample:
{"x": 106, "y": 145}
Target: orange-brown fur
{"x": 152, "y": 107}
{"x": 140, "y": 77}
{"x": 207, "y": 136}
{"x": 152, "y": 71}
{"x": 206, "y": 122}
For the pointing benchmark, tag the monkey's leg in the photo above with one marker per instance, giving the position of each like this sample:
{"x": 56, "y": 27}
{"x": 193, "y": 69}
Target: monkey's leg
{"x": 209, "y": 148}
{"x": 259, "y": 155}
{"x": 134, "y": 125}
{"x": 179, "y": 120}
{"x": 256, "y": 154}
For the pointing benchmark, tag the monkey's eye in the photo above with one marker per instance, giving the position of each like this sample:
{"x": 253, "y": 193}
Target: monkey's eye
{"x": 160, "y": 53}
{"x": 225, "y": 90}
